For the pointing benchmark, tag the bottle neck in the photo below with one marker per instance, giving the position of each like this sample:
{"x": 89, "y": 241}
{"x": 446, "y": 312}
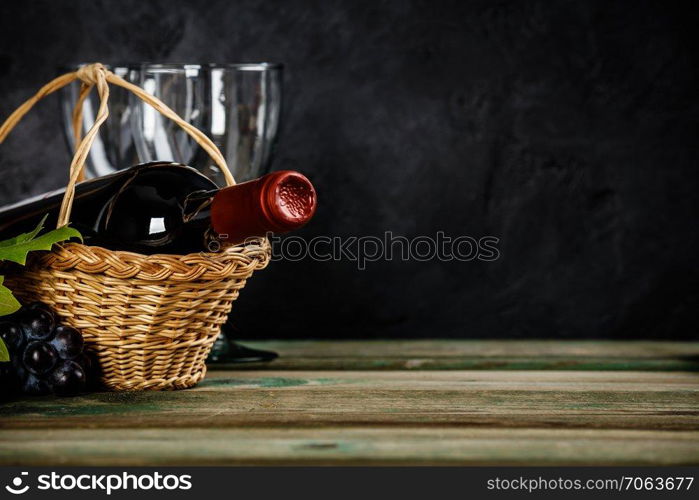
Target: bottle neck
{"x": 278, "y": 202}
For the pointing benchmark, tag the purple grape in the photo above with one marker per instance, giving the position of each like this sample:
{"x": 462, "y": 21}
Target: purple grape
{"x": 68, "y": 342}
{"x": 12, "y": 335}
{"x": 45, "y": 356}
{"x": 38, "y": 322}
{"x": 39, "y": 305}
{"x": 35, "y": 386}
{"x": 18, "y": 368}
{"x": 39, "y": 357}
{"x": 88, "y": 362}
{"x": 68, "y": 379}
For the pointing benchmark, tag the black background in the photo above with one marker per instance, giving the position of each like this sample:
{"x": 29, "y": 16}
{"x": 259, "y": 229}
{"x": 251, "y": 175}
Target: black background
{"x": 567, "y": 129}
{"x": 313, "y": 482}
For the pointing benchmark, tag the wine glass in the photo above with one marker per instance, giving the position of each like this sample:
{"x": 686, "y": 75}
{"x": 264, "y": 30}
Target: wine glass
{"x": 237, "y": 105}
{"x": 114, "y": 148}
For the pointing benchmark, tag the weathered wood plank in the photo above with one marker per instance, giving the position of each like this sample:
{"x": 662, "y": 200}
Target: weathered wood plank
{"x": 369, "y": 446}
{"x": 605, "y": 400}
{"x": 442, "y": 347}
{"x": 478, "y": 355}
{"x": 567, "y": 412}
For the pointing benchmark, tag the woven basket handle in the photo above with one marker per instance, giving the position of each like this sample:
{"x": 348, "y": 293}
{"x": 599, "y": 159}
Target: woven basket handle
{"x": 97, "y": 75}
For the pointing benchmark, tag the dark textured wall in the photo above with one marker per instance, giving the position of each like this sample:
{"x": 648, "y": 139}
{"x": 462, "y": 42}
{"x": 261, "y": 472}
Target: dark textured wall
{"x": 568, "y": 129}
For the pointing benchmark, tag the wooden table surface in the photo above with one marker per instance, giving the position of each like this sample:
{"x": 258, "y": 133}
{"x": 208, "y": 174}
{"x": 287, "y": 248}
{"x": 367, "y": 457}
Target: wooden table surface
{"x": 421, "y": 402}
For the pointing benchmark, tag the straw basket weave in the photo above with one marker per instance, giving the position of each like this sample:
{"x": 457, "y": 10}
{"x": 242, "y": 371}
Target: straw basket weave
{"x": 151, "y": 320}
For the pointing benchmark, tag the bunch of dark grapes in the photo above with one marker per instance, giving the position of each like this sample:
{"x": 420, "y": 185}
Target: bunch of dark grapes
{"x": 45, "y": 357}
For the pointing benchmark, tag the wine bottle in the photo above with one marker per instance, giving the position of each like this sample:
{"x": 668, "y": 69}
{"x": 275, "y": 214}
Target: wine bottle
{"x": 170, "y": 208}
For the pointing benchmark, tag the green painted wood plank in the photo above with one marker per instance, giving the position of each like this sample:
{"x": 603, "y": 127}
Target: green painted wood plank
{"x": 303, "y": 409}
{"x": 477, "y": 355}
{"x": 611, "y": 400}
{"x": 341, "y": 446}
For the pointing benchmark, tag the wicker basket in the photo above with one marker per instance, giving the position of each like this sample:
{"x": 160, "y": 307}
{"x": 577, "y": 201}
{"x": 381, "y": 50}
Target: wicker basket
{"x": 151, "y": 320}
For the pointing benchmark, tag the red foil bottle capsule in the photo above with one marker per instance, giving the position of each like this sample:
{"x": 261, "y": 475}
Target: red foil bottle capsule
{"x": 278, "y": 202}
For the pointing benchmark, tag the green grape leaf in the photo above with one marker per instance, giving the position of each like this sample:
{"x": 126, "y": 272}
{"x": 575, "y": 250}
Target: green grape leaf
{"x": 4, "y": 355}
{"x": 17, "y": 248}
{"x": 8, "y": 303}
{"x": 24, "y": 237}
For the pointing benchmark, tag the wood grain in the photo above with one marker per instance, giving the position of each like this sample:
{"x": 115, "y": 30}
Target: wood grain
{"x": 478, "y": 355}
{"x": 355, "y": 416}
{"x": 343, "y": 446}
